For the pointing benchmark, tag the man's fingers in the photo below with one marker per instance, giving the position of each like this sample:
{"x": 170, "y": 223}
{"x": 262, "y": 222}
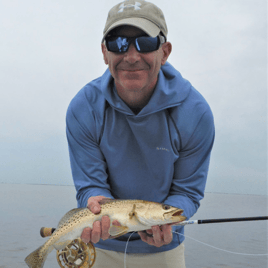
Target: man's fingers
{"x": 142, "y": 235}
{"x": 150, "y": 232}
{"x": 93, "y": 204}
{"x": 167, "y": 233}
{"x": 100, "y": 230}
{"x": 96, "y": 232}
{"x": 145, "y": 238}
{"x": 86, "y": 235}
{"x": 116, "y": 223}
{"x": 95, "y": 208}
{"x": 157, "y": 236}
{"x": 105, "y": 225}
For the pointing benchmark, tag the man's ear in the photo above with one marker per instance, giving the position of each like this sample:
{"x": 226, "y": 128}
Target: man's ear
{"x": 104, "y": 53}
{"x": 166, "y": 48}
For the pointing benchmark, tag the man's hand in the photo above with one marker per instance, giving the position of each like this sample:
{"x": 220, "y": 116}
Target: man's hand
{"x": 157, "y": 236}
{"x": 100, "y": 228}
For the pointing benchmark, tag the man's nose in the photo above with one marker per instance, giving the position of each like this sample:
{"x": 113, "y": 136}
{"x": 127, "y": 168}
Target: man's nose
{"x": 132, "y": 55}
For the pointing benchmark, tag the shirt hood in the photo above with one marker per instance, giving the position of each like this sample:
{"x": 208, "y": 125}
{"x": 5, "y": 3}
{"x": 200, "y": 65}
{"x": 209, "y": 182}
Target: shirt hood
{"x": 171, "y": 90}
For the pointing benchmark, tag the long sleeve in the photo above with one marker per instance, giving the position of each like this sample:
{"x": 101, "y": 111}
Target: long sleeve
{"x": 191, "y": 168}
{"x": 87, "y": 161}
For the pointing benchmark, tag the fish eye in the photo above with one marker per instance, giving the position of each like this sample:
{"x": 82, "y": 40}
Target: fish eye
{"x": 165, "y": 207}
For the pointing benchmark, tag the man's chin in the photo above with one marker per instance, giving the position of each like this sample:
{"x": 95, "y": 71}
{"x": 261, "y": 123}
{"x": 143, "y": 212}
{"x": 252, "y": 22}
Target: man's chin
{"x": 132, "y": 86}
{"x": 137, "y": 75}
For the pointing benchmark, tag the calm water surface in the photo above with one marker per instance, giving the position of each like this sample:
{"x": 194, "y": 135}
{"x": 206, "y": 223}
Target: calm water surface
{"x": 26, "y": 208}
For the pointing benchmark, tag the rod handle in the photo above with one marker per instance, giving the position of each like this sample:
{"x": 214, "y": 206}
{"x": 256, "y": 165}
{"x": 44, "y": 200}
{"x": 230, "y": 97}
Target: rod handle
{"x": 46, "y": 231}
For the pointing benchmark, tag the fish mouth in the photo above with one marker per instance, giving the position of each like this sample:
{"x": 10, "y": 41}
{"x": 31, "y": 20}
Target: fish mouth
{"x": 177, "y": 213}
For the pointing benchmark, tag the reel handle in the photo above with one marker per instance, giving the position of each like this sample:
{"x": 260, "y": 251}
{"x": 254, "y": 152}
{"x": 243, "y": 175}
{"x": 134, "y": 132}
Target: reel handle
{"x": 46, "y": 231}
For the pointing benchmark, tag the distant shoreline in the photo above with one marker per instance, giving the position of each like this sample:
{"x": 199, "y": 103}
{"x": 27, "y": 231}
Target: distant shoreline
{"x": 69, "y": 185}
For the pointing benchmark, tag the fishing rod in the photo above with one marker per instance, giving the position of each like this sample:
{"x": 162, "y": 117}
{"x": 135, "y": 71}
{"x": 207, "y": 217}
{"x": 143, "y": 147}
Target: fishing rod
{"x": 47, "y": 231}
{"x": 260, "y": 218}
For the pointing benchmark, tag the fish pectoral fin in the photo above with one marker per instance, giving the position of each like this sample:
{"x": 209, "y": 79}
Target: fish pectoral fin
{"x": 118, "y": 230}
{"x": 62, "y": 245}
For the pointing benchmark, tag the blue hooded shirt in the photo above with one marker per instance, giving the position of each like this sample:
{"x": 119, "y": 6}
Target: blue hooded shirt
{"x": 160, "y": 154}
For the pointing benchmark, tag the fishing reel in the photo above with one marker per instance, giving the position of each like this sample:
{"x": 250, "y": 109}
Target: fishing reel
{"x": 75, "y": 255}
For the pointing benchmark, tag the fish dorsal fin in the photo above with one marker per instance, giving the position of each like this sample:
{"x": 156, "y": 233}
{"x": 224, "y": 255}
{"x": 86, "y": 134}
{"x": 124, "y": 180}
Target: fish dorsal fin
{"x": 69, "y": 214}
{"x": 116, "y": 231}
{"x": 106, "y": 201}
{"x": 62, "y": 245}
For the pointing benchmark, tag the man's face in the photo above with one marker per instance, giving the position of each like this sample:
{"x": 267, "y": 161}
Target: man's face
{"x": 135, "y": 74}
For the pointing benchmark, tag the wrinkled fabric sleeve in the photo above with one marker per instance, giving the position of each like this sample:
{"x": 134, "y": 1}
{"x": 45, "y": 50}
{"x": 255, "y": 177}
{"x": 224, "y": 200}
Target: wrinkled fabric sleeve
{"x": 87, "y": 161}
{"x": 191, "y": 168}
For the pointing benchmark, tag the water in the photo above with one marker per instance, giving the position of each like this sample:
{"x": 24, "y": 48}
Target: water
{"x": 26, "y": 208}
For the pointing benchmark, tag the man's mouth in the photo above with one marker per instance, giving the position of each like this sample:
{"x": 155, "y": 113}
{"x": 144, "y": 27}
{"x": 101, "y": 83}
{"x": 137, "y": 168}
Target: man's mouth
{"x": 131, "y": 70}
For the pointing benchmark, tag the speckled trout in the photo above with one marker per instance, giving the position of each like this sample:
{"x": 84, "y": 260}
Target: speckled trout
{"x": 133, "y": 215}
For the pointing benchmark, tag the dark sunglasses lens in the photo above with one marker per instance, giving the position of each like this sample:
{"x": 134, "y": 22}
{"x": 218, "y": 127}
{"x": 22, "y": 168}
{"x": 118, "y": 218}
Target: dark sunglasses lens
{"x": 143, "y": 44}
{"x": 147, "y": 44}
{"x": 117, "y": 44}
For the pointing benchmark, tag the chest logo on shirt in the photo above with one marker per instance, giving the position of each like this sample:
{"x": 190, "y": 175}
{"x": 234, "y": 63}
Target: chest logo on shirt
{"x": 162, "y": 149}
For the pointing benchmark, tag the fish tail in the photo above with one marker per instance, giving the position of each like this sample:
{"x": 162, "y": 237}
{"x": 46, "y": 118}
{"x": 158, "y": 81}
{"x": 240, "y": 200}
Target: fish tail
{"x": 38, "y": 257}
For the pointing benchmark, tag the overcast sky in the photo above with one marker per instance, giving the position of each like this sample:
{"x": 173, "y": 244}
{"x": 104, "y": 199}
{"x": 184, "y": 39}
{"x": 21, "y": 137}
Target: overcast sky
{"x": 51, "y": 49}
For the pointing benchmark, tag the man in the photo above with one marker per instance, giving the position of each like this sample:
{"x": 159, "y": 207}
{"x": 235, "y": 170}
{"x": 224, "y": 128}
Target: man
{"x": 140, "y": 131}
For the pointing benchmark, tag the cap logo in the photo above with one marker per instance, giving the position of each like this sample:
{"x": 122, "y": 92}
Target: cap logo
{"x": 136, "y": 6}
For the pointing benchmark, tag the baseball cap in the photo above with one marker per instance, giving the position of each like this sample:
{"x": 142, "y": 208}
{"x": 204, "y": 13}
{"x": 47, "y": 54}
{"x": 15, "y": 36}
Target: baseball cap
{"x": 141, "y": 14}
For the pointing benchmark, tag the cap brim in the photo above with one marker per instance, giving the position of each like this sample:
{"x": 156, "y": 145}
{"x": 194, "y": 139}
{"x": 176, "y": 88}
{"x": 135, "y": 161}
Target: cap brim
{"x": 145, "y": 25}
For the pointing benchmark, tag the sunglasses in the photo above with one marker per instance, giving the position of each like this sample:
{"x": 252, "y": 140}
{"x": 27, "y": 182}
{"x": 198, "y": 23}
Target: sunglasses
{"x": 143, "y": 44}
